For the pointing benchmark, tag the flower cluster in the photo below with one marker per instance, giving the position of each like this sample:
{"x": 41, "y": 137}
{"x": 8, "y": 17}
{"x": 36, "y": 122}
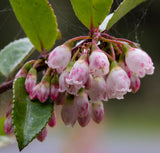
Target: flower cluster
{"x": 82, "y": 78}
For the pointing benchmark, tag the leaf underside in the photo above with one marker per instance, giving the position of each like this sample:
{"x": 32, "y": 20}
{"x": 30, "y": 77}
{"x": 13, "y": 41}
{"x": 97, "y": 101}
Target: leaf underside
{"x": 14, "y": 54}
{"x": 28, "y": 117}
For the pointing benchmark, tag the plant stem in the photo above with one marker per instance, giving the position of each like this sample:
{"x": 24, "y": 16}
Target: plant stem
{"x": 111, "y": 41}
{"x": 79, "y": 38}
{"x": 112, "y": 51}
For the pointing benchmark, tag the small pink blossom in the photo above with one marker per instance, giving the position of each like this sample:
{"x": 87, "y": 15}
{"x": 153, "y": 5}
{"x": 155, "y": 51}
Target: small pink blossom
{"x": 98, "y": 63}
{"x": 41, "y": 137}
{"x": 8, "y": 128}
{"x": 31, "y": 80}
{"x": 83, "y": 121}
{"x": 52, "y": 120}
{"x": 41, "y": 90}
{"x": 62, "y": 81}
{"x": 69, "y": 113}
{"x": 98, "y": 88}
{"x": 97, "y": 112}
{"x": 59, "y": 58}
{"x": 118, "y": 83}
{"x": 82, "y": 104}
{"x": 139, "y": 62}
{"x": 79, "y": 74}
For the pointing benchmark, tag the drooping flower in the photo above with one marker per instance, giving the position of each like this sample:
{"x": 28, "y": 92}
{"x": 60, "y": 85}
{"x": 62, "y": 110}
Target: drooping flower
{"x": 82, "y": 104}
{"x": 83, "y": 121}
{"x": 59, "y": 58}
{"x": 62, "y": 81}
{"x": 97, "y": 92}
{"x": 68, "y": 112}
{"x": 79, "y": 73}
{"x": 31, "y": 80}
{"x": 54, "y": 88}
{"x": 8, "y": 127}
{"x": 118, "y": 83}
{"x": 98, "y": 63}
{"x": 41, "y": 137}
{"x": 135, "y": 83}
{"x": 97, "y": 112}
{"x": 41, "y": 90}
{"x": 52, "y": 120}
{"x": 139, "y": 62}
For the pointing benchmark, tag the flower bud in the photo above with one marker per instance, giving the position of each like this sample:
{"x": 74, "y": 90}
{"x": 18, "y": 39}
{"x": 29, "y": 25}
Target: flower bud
{"x": 31, "y": 80}
{"x": 139, "y": 62}
{"x": 68, "y": 112}
{"x": 97, "y": 112}
{"x": 98, "y": 63}
{"x": 59, "y": 58}
{"x": 52, "y": 120}
{"x": 41, "y": 137}
{"x": 82, "y": 104}
{"x": 135, "y": 83}
{"x": 8, "y": 128}
{"x": 79, "y": 73}
{"x": 54, "y": 88}
{"x": 62, "y": 81}
{"x": 97, "y": 91}
{"x": 83, "y": 121}
{"x": 118, "y": 83}
{"x": 41, "y": 90}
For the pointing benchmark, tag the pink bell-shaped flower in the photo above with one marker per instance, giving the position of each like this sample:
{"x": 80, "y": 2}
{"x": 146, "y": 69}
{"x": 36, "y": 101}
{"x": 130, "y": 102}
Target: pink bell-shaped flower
{"x": 31, "y": 80}
{"x": 59, "y": 58}
{"x": 97, "y": 112}
{"x": 8, "y": 128}
{"x": 54, "y": 88}
{"x": 79, "y": 73}
{"x": 83, "y": 121}
{"x": 41, "y": 90}
{"x": 118, "y": 83}
{"x": 52, "y": 120}
{"x": 98, "y": 63}
{"x": 62, "y": 81}
{"x": 68, "y": 112}
{"x": 97, "y": 92}
{"x": 82, "y": 104}
{"x": 41, "y": 137}
{"x": 139, "y": 62}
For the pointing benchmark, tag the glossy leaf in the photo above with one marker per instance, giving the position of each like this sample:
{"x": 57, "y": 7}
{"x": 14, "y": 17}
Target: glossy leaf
{"x": 29, "y": 117}
{"x": 91, "y": 11}
{"x": 14, "y": 54}
{"x": 122, "y": 10}
{"x": 38, "y": 21}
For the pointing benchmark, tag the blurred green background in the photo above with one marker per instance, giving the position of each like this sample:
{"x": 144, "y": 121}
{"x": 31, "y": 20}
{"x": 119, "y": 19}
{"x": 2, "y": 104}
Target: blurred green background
{"x": 130, "y": 125}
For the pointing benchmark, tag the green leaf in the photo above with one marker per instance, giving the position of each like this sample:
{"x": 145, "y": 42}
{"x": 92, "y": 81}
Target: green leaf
{"x": 2, "y": 125}
{"x": 28, "y": 117}
{"x": 122, "y": 10}
{"x": 38, "y": 21}
{"x": 91, "y": 11}
{"x": 14, "y": 54}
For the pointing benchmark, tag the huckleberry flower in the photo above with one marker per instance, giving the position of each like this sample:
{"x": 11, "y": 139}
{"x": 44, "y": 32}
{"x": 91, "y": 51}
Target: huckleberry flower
{"x": 79, "y": 73}
{"x": 118, "y": 83}
{"x": 98, "y": 63}
{"x": 8, "y": 128}
{"x": 62, "y": 81}
{"x": 54, "y": 88}
{"x": 139, "y": 62}
{"x": 97, "y": 91}
{"x": 83, "y": 121}
{"x": 52, "y": 120}
{"x": 41, "y": 137}
{"x": 135, "y": 83}
{"x": 31, "y": 80}
{"x": 68, "y": 112}
{"x": 41, "y": 90}
{"x": 82, "y": 104}
{"x": 59, "y": 58}
{"x": 97, "y": 112}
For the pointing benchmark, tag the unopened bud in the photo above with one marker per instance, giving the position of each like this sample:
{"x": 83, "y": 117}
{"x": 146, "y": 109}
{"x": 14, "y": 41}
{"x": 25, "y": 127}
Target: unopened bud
{"x": 135, "y": 83}
{"x": 52, "y": 121}
{"x": 8, "y": 128}
{"x": 83, "y": 121}
{"x": 41, "y": 137}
